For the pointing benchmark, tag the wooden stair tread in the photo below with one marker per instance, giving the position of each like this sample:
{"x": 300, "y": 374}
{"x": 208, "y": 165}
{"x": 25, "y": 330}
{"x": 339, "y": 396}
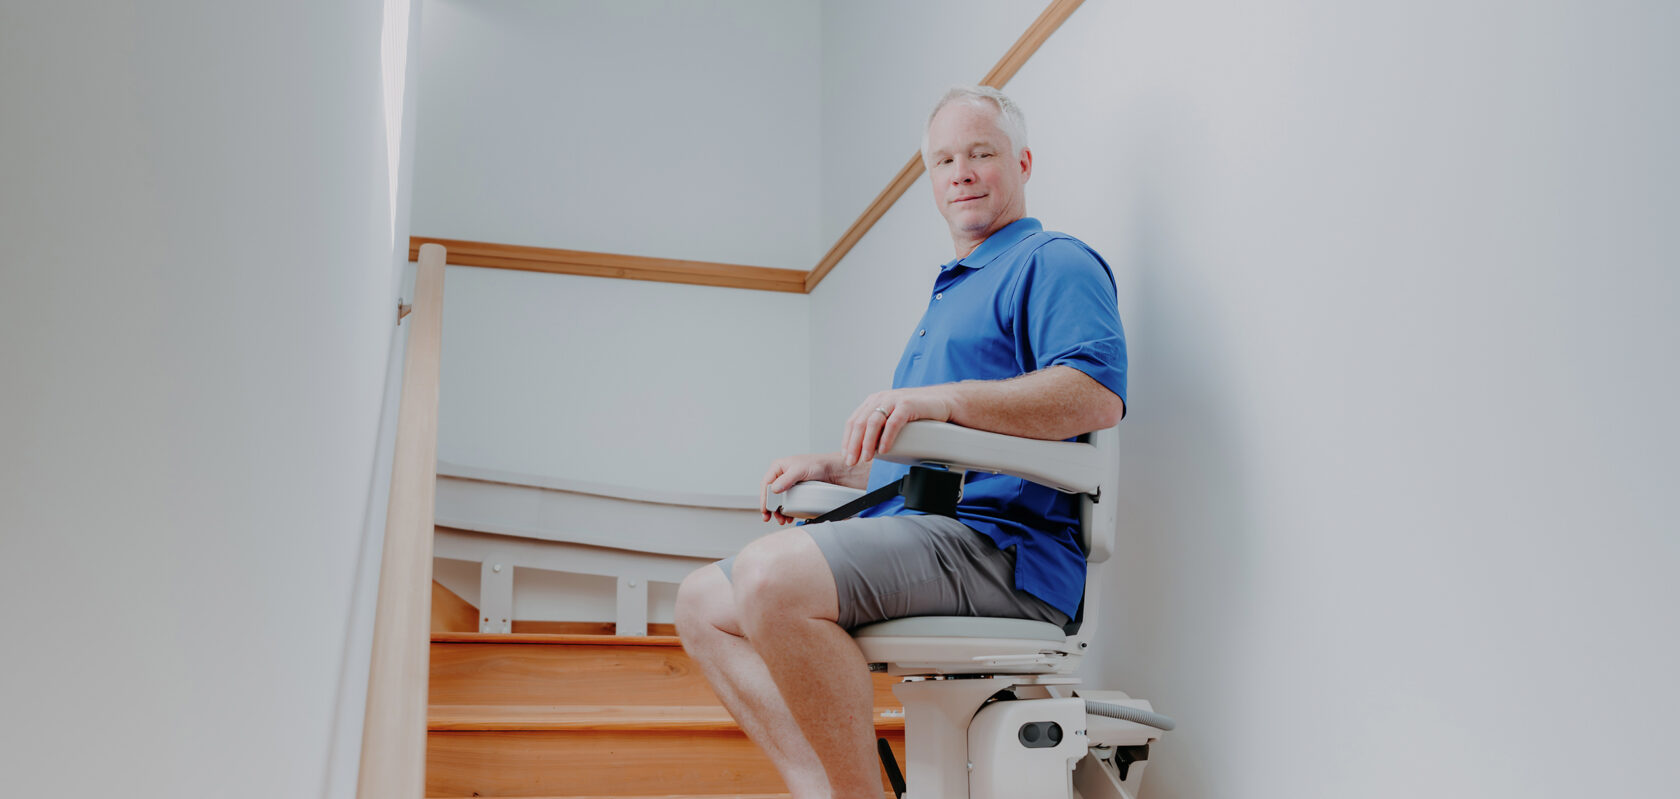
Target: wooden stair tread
{"x": 603, "y": 717}
{"x": 554, "y": 638}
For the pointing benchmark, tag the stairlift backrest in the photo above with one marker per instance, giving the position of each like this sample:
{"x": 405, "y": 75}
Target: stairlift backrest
{"x": 1099, "y": 519}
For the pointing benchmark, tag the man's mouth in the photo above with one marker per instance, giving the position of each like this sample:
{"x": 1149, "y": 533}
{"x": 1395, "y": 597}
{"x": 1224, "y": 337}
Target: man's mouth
{"x": 967, "y": 198}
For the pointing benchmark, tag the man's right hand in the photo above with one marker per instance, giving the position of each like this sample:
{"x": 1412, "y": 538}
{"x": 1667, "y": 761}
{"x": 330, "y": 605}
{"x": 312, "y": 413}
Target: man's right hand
{"x": 785, "y": 472}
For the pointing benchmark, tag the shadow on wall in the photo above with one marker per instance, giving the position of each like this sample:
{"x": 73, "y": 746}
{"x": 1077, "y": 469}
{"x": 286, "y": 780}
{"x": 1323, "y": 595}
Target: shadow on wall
{"x": 1181, "y": 576}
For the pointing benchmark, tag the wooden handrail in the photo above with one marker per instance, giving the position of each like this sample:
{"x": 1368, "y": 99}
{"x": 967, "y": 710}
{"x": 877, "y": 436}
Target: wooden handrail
{"x": 600, "y": 264}
{"x": 394, "y": 731}
{"x": 1035, "y": 35}
{"x": 633, "y": 267}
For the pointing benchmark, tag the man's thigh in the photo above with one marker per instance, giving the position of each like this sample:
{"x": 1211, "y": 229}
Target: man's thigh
{"x": 892, "y": 567}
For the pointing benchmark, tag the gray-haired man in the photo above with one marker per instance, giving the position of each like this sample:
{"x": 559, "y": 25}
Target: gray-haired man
{"x": 1022, "y": 336}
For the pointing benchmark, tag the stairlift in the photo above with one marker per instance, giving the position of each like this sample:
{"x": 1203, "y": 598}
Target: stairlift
{"x": 993, "y": 707}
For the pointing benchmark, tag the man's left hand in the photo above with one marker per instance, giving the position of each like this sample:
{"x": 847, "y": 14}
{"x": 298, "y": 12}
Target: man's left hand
{"x": 874, "y": 426}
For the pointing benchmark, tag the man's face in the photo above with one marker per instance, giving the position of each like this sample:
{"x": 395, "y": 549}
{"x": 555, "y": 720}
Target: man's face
{"x": 978, "y": 182}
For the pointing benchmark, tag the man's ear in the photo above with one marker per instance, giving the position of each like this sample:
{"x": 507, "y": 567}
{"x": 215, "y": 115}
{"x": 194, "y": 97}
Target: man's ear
{"x": 1026, "y": 164}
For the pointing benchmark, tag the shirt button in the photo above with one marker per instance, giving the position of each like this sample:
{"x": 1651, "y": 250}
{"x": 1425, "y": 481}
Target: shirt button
{"x": 939, "y": 296}
{"x": 922, "y": 332}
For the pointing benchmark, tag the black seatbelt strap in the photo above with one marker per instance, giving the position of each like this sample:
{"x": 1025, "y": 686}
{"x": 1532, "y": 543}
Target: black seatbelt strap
{"x": 864, "y": 502}
{"x": 924, "y": 489}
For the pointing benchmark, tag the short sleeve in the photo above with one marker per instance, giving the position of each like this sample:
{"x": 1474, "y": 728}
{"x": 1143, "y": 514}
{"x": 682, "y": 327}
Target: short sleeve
{"x": 1067, "y": 313}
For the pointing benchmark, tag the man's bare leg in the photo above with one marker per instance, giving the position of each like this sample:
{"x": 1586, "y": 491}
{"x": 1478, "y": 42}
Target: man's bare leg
{"x": 788, "y": 606}
{"x": 711, "y": 632}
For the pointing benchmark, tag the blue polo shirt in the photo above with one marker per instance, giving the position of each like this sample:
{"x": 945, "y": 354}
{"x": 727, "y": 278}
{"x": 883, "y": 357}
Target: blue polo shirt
{"x": 1024, "y": 300}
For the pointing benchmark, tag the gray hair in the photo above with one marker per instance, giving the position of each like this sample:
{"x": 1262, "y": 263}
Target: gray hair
{"x": 1009, "y": 116}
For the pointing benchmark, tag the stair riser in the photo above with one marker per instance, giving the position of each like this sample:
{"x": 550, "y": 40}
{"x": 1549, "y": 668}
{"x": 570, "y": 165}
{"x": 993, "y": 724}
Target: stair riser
{"x": 481, "y": 674}
{"x": 545, "y": 674}
{"x": 597, "y": 763}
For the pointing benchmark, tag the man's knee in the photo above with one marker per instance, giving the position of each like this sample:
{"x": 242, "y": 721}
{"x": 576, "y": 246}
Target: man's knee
{"x": 783, "y": 575}
{"x": 703, "y": 601}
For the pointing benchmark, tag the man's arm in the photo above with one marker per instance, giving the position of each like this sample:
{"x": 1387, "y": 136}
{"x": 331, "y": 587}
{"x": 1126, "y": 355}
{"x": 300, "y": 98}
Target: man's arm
{"x": 1052, "y": 404}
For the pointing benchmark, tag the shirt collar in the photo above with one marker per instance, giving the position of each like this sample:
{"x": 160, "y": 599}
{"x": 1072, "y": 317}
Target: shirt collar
{"x": 997, "y": 244}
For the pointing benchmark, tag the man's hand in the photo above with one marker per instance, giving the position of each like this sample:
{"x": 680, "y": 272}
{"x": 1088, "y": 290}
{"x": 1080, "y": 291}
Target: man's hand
{"x": 875, "y": 425}
{"x": 785, "y": 472}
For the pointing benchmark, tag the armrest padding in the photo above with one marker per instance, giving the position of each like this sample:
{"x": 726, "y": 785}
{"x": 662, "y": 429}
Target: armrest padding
{"x": 1063, "y": 465}
{"x": 811, "y": 499}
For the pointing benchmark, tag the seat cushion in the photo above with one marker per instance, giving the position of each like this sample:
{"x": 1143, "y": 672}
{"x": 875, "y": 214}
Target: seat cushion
{"x": 966, "y": 645}
{"x": 962, "y": 627}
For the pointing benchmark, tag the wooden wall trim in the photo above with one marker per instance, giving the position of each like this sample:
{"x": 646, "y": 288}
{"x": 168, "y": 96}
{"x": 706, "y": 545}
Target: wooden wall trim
{"x": 1052, "y": 18}
{"x": 704, "y": 273}
{"x": 600, "y": 264}
{"x": 394, "y": 730}
{"x": 1036, "y": 34}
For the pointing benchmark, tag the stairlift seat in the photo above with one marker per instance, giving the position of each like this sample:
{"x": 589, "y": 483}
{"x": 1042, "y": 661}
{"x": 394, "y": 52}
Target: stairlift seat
{"x": 961, "y": 627}
{"x": 964, "y": 645}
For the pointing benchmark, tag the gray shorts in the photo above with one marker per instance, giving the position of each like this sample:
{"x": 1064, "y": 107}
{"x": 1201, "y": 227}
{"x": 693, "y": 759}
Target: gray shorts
{"x": 891, "y": 567}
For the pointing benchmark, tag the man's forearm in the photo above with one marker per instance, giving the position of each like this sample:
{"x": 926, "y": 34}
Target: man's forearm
{"x": 855, "y": 476}
{"x": 1053, "y": 404}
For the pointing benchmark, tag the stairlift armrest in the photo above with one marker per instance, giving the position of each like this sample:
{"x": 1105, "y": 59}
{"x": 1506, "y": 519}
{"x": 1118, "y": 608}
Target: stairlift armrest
{"x": 1073, "y": 467}
{"x": 811, "y": 499}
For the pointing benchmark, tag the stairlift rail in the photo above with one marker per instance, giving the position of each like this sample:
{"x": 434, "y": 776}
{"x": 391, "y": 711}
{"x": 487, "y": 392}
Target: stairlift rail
{"x": 1127, "y": 713}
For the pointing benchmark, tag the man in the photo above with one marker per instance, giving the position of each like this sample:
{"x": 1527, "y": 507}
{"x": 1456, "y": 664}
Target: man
{"x": 1022, "y": 336}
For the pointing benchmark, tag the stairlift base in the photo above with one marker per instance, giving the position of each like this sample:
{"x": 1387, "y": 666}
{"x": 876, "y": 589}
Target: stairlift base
{"x": 961, "y": 745}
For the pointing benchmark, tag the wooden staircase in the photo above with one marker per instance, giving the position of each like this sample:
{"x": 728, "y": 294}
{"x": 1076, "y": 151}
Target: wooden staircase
{"x": 566, "y": 715}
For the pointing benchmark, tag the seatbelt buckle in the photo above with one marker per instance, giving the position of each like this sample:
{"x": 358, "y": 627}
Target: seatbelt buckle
{"x": 931, "y": 490}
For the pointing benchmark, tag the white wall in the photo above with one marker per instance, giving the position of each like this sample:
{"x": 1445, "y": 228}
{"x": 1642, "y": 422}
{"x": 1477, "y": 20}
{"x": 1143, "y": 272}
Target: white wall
{"x": 630, "y": 383}
{"x": 647, "y": 127}
{"x": 667, "y": 129}
{"x": 196, "y": 311}
{"x": 1399, "y": 285}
